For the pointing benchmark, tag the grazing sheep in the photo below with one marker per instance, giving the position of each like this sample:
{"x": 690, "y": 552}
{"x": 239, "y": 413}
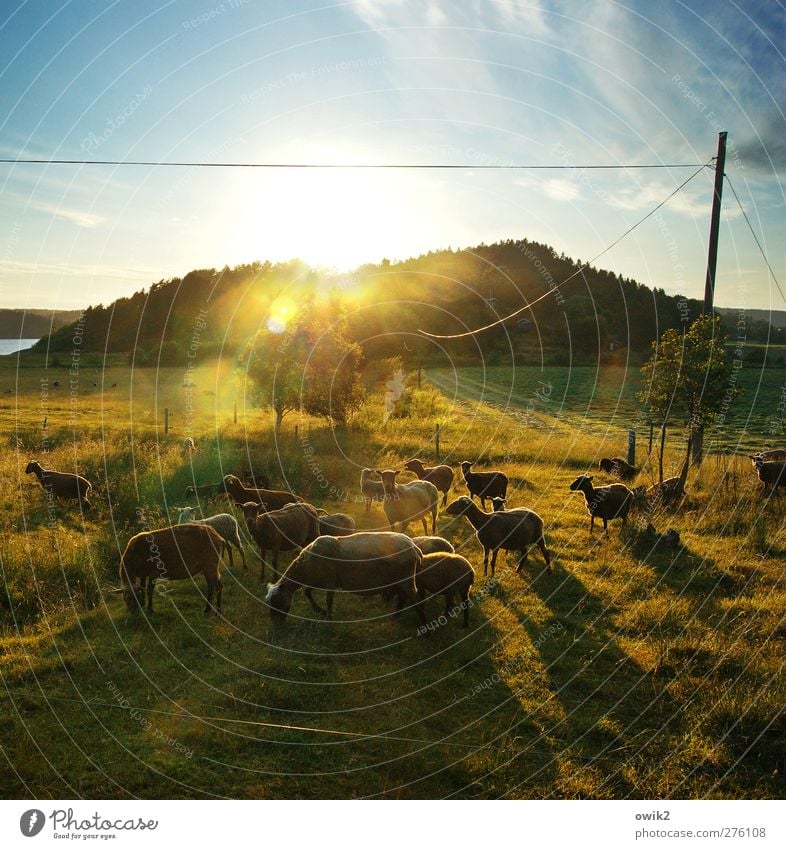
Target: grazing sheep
{"x": 335, "y": 524}
{"x": 440, "y": 476}
{"x": 372, "y": 490}
{"x": 408, "y": 502}
{"x": 189, "y": 446}
{"x": 431, "y": 545}
{"x": 772, "y": 472}
{"x": 62, "y": 484}
{"x": 773, "y": 454}
{"x": 498, "y": 504}
{"x": 509, "y": 530}
{"x": 484, "y": 484}
{"x": 206, "y": 491}
{"x": 224, "y": 523}
{"x": 274, "y": 498}
{"x": 364, "y": 563}
{"x": 604, "y": 502}
{"x": 670, "y": 491}
{"x": 446, "y": 573}
{"x": 286, "y": 529}
{"x": 171, "y": 554}
{"x": 618, "y": 467}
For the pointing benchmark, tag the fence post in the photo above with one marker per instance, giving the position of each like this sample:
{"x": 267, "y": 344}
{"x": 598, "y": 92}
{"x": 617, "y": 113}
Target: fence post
{"x": 632, "y": 447}
{"x": 235, "y": 413}
{"x": 166, "y": 420}
{"x": 697, "y": 448}
{"x": 649, "y": 450}
{"x": 436, "y": 441}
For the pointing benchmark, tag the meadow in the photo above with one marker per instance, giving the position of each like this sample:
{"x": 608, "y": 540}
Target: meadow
{"x": 625, "y": 671}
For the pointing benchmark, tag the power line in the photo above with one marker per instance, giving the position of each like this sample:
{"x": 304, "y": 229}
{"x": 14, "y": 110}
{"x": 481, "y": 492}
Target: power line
{"x": 383, "y": 165}
{"x": 578, "y": 271}
{"x": 755, "y": 237}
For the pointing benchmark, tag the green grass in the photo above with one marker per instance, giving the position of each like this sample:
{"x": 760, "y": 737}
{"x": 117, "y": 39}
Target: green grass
{"x": 624, "y": 671}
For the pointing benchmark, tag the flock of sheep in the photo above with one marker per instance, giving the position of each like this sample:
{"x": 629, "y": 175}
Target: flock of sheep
{"x": 332, "y": 556}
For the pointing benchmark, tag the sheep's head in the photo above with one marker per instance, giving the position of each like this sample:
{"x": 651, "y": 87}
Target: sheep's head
{"x": 279, "y": 599}
{"x": 414, "y": 465}
{"x": 187, "y": 514}
{"x": 466, "y": 466}
{"x": 32, "y": 467}
{"x": 133, "y": 597}
{"x": 605, "y": 465}
{"x": 231, "y": 482}
{"x": 388, "y": 479}
{"x": 498, "y": 503}
{"x": 581, "y": 483}
{"x": 459, "y": 507}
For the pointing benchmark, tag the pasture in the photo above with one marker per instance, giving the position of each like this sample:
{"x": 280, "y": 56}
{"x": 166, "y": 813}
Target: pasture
{"x": 625, "y": 671}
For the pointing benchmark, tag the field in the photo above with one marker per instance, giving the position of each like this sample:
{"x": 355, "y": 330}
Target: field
{"x": 625, "y": 671}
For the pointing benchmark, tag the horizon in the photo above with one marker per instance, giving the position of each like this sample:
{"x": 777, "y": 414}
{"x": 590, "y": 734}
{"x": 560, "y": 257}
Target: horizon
{"x": 391, "y": 81}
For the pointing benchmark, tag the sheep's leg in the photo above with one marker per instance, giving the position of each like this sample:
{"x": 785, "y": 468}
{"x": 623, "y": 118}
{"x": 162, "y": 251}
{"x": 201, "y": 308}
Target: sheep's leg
{"x": 329, "y": 594}
{"x": 317, "y": 609}
{"x": 400, "y": 601}
{"x": 592, "y": 524}
{"x": 448, "y": 602}
{"x": 444, "y": 498}
{"x": 522, "y": 562}
{"x": 425, "y": 525}
{"x": 150, "y": 588}
{"x": 262, "y": 564}
{"x": 494, "y": 554}
{"x": 542, "y": 547}
{"x": 209, "y": 602}
{"x": 242, "y": 554}
{"x": 605, "y": 526}
{"x": 219, "y": 594}
{"x": 227, "y": 548}
{"x": 434, "y": 520}
{"x": 485, "y": 560}
{"x": 464, "y": 596}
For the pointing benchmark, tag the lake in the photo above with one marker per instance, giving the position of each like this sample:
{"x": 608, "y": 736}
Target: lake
{"x": 11, "y": 346}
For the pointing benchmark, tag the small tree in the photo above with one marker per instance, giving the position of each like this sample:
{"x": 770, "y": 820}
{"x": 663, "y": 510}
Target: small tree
{"x": 310, "y": 366}
{"x": 688, "y": 376}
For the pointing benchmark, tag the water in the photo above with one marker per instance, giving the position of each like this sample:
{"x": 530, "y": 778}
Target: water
{"x": 11, "y": 346}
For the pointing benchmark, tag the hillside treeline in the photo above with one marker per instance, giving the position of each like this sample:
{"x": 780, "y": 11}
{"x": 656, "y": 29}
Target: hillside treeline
{"x": 208, "y": 312}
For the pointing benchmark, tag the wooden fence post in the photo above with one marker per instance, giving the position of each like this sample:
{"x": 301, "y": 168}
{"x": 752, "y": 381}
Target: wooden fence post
{"x": 235, "y": 413}
{"x": 166, "y": 420}
{"x": 436, "y": 442}
{"x": 632, "y": 447}
{"x": 649, "y": 450}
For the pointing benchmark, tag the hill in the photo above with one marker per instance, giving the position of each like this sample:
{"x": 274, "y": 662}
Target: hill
{"x": 32, "y": 324}
{"x": 443, "y": 292}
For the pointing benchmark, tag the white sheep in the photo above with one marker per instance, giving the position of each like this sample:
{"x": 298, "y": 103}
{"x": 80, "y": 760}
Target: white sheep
{"x": 409, "y": 502}
{"x": 224, "y": 523}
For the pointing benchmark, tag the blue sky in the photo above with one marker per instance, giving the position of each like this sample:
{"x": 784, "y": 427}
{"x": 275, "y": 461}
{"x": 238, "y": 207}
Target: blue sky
{"x": 473, "y": 82}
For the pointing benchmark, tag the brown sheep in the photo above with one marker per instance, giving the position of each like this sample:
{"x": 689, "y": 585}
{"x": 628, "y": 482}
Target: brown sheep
{"x": 484, "y": 484}
{"x": 335, "y": 524}
{"x": 604, "y": 502}
{"x": 62, "y": 484}
{"x": 372, "y": 490}
{"x": 171, "y": 554}
{"x": 618, "y": 467}
{"x": 447, "y": 574}
{"x": 772, "y": 472}
{"x": 286, "y": 529}
{"x": 274, "y": 498}
{"x": 408, "y": 502}
{"x": 440, "y": 476}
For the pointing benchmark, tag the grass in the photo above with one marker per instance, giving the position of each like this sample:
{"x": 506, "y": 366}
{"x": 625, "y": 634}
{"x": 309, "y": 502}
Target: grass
{"x": 625, "y": 671}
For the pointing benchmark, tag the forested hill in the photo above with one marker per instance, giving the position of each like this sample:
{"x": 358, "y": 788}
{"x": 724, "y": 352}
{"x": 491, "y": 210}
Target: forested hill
{"x": 31, "y": 324}
{"x": 209, "y": 311}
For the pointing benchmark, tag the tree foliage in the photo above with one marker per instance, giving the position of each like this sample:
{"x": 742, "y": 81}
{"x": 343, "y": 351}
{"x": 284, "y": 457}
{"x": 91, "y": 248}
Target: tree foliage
{"x": 310, "y": 366}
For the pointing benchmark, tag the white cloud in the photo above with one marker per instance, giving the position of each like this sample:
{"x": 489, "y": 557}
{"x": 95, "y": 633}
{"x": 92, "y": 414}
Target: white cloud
{"x": 89, "y": 220}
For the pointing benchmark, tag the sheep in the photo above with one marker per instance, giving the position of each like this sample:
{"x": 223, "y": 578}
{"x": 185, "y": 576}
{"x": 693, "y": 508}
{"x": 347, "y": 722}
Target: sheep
{"x": 431, "y": 545}
{"x": 484, "y": 484}
{"x": 275, "y": 499}
{"x": 206, "y": 491}
{"x": 446, "y": 573}
{"x": 408, "y": 502}
{"x": 618, "y": 467}
{"x": 604, "y": 502}
{"x": 498, "y": 504}
{"x": 778, "y": 454}
{"x": 364, "y": 563}
{"x": 189, "y": 446}
{"x": 224, "y": 523}
{"x": 256, "y": 480}
{"x": 286, "y": 529}
{"x": 62, "y": 484}
{"x": 671, "y": 490}
{"x": 335, "y": 524}
{"x": 372, "y": 490}
{"x": 770, "y": 472}
{"x": 171, "y": 554}
{"x": 440, "y": 476}
{"x": 509, "y": 530}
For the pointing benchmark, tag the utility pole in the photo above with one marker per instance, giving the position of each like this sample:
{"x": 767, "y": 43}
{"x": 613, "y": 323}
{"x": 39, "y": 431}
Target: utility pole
{"x": 712, "y": 261}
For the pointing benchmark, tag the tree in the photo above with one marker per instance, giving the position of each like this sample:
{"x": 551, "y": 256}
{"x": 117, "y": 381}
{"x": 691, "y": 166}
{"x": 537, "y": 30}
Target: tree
{"x": 689, "y": 377}
{"x": 310, "y": 365}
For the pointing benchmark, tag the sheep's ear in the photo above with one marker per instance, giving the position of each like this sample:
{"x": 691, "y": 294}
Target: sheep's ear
{"x": 589, "y": 477}
{"x": 378, "y": 471}
{"x": 397, "y": 473}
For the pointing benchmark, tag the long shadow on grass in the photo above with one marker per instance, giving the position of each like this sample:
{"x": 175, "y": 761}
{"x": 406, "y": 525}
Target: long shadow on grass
{"x": 615, "y": 714}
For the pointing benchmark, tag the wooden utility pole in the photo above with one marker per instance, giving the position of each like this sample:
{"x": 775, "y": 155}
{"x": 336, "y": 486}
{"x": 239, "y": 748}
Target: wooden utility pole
{"x": 712, "y": 261}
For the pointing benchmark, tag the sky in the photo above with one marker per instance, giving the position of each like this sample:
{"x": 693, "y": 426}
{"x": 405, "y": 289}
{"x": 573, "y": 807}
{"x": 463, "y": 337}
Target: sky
{"x": 469, "y": 82}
